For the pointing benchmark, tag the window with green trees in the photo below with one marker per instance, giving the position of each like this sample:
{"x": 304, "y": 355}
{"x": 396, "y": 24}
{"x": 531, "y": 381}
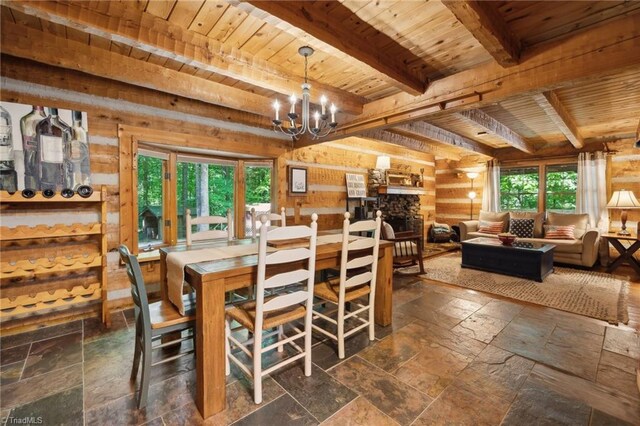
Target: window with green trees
{"x": 561, "y": 183}
{"x": 151, "y": 168}
{"x": 521, "y": 187}
{"x": 204, "y": 187}
{"x": 169, "y": 183}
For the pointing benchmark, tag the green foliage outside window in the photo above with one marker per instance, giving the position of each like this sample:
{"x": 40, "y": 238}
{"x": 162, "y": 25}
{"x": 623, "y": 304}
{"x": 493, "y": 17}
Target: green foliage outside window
{"x": 258, "y": 184}
{"x": 519, "y": 188}
{"x": 562, "y": 182}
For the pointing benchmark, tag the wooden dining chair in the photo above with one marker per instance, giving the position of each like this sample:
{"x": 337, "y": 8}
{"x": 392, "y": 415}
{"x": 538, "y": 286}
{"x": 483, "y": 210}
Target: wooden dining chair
{"x": 153, "y": 321}
{"x": 407, "y": 247}
{"x": 223, "y": 223}
{"x": 279, "y": 270}
{"x": 357, "y": 281}
{"x": 281, "y": 220}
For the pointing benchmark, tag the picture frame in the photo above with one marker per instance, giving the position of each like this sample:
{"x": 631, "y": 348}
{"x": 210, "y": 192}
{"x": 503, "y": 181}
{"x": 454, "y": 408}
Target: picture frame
{"x": 297, "y": 180}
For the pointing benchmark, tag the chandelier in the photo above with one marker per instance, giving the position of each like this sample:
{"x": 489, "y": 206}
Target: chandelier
{"x": 322, "y": 126}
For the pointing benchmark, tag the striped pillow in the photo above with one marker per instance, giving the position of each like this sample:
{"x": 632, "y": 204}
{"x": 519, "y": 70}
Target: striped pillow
{"x": 490, "y": 227}
{"x": 556, "y": 232}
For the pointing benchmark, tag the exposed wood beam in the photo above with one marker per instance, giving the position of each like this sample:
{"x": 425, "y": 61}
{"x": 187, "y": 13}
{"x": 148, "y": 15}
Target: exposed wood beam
{"x": 334, "y": 32}
{"x": 70, "y": 80}
{"x": 131, "y": 27}
{"x": 583, "y": 57}
{"x": 428, "y": 132}
{"x": 563, "y": 150}
{"x": 27, "y": 43}
{"x": 557, "y": 112}
{"x": 488, "y": 27}
{"x": 482, "y": 119}
{"x": 410, "y": 143}
{"x": 638, "y": 131}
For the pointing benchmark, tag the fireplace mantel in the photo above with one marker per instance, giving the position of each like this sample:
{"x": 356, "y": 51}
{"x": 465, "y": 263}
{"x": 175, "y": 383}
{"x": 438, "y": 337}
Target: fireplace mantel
{"x": 400, "y": 190}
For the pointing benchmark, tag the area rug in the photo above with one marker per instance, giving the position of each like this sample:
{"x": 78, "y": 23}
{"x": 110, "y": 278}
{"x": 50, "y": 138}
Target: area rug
{"x": 434, "y": 249}
{"x": 592, "y": 294}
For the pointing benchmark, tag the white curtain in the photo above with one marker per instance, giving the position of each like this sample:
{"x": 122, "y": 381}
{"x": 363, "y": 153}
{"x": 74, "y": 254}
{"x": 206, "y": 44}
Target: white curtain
{"x": 491, "y": 190}
{"x": 591, "y": 194}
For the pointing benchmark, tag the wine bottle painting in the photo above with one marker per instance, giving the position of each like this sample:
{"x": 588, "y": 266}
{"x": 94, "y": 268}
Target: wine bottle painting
{"x": 43, "y": 148}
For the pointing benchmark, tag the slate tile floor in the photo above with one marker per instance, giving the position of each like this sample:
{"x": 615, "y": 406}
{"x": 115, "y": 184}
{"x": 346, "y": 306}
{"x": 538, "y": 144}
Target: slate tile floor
{"x": 452, "y": 356}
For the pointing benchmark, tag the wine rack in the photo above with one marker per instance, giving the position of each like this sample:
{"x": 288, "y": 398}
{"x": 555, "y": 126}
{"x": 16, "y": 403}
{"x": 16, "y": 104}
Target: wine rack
{"x": 29, "y": 284}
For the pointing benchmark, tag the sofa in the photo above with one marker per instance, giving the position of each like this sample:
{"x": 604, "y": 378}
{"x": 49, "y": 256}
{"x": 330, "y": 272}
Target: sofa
{"x": 581, "y": 251}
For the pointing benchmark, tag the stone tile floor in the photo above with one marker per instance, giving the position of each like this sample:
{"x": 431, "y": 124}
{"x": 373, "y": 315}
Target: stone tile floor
{"x": 452, "y": 356}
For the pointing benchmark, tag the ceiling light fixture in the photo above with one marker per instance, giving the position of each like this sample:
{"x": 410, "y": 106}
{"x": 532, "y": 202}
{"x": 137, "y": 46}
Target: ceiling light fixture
{"x": 322, "y": 126}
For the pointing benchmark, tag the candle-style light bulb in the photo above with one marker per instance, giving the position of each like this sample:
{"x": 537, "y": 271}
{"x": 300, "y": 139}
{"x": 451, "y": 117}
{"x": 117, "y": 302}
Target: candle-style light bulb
{"x": 276, "y": 106}
{"x": 323, "y": 104}
{"x": 333, "y": 110}
{"x": 316, "y": 115}
{"x": 293, "y": 100}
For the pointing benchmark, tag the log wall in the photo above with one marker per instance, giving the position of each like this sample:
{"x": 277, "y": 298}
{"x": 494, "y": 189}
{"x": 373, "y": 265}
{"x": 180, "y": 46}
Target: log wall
{"x": 452, "y": 188}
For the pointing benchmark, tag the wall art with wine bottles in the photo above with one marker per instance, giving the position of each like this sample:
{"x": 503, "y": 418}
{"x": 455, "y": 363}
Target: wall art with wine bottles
{"x": 44, "y": 149}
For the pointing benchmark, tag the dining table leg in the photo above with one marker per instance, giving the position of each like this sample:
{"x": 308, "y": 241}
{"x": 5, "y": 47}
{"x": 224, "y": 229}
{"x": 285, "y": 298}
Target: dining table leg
{"x": 210, "y": 347}
{"x": 384, "y": 287}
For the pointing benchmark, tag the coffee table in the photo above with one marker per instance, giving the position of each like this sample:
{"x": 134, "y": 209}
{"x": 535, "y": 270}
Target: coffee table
{"x": 529, "y": 260}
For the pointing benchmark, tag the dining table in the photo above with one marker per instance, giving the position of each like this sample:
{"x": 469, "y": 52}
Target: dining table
{"x": 212, "y": 279}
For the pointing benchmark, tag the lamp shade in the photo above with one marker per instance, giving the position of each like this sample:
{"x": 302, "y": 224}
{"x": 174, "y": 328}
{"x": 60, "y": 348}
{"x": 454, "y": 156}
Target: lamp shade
{"x": 383, "y": 162}
{"x": 623, "y": 199}
{"x": 472, "y": 175}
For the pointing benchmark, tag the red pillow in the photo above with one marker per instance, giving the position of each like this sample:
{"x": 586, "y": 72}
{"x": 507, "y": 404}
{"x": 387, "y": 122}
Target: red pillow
{"x": 555, "y": 232}
{"x": 487, "y": 227}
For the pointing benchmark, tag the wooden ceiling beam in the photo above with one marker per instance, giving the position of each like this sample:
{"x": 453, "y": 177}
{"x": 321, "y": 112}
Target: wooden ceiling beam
{"x": 428, "y": 132}
{"x": 137, "y": 29}
{"x": 493, "y": 126}
{"x": 24, "y": 42}
{"x": 583, "y": 57}
{"x": 301, "y": 15}
{"x": 489, "y": 28}
{"x": 557, "y": 112}
{"x": 410, "y": 143}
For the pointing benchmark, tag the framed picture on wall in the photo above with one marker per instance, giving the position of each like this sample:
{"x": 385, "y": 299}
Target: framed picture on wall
{"x": 297, "y": 180}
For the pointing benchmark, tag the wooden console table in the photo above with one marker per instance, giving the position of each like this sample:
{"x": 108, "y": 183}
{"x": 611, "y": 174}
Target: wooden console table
{"x": 626, "y": 253}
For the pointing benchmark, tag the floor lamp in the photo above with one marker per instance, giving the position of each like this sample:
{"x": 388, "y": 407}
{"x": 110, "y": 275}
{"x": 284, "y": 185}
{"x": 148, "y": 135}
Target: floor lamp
{"x": 472, "y": 194}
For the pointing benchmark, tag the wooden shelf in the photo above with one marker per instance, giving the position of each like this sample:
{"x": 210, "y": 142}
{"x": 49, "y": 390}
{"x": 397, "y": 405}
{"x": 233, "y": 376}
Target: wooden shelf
{"x": 16, "y": 197}
{"x": 48, "y": 297}
{"x": 36, "y": 304}
{"x": 24, "y": 232}
{"x": 401, "y": 190}
{"x": 41, "y": 266}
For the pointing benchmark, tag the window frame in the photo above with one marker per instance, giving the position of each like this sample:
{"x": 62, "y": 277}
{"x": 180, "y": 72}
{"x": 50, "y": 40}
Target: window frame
{"x": 132, "y": 138}
{"x": 542, "y": 177}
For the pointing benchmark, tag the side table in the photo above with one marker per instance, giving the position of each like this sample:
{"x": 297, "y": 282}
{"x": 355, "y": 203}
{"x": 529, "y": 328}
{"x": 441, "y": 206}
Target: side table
{"x": 626, "y": 253}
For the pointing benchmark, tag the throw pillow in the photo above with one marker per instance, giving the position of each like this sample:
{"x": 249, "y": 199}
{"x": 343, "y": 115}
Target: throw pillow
{"x": 490, "y": 227}
{"x": 580, "y": 221}
{"x": 557, "y": 232}
{"x": 538, "y": 230}
{"x": 388, "y": 231}
{"x": 495, "y": 217}
{"x": 522, "y": 228}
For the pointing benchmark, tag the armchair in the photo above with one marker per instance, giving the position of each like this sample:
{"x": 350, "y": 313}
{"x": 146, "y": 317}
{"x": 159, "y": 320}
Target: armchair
{"x": 407, "y": 247}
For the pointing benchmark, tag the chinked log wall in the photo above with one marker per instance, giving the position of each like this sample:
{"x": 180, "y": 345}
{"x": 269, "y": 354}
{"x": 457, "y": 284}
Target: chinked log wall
{"x": 452, "y": 189}
{"x": 110, "y": 104}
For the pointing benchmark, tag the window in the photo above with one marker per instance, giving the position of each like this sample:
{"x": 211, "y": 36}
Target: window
{"x": 151, "y": 207}
{"x": 257, "y": 191}
{"x": 164, "y": 173}
{"x": 539, "y": 188}
{"x": 519, "y": 189}
{"x": 205, "y": 187}
{"x": 561, "y": 183}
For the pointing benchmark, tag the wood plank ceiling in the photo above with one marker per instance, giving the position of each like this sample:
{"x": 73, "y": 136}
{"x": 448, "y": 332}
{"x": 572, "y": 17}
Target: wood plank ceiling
{"x": 482, "y": 76}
